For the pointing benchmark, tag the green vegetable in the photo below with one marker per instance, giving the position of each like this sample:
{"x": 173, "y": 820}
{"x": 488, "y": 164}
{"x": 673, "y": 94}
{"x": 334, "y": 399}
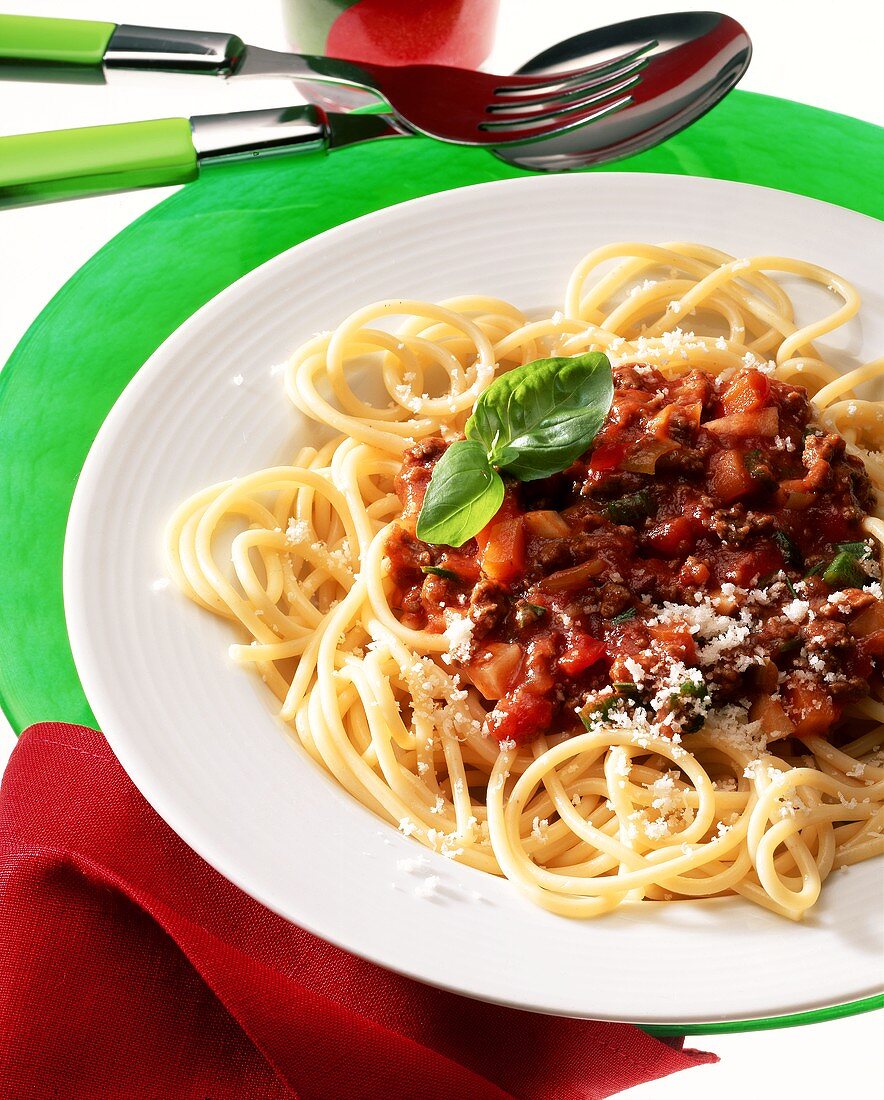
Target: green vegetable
{"x": 631, "y": 510}
{"x": 464, "y": 494}
{"x": 531, "y": 422}
{"x": 537, "y": 419}
{"x": 791, "y": 588}
{"x": 843, "y": 572}
{"x": 789, "y": 645}
{"x": 791, "y": 553}
{"x": 587, "y": 712}
{"x": 858, "y": 550}
{"x": 437, "y": 571}
{"x": 602, "y": 707}
{"x": 694, "y": 689}
{"x": 624, "y": 616}
{"x": 815, "y": 570}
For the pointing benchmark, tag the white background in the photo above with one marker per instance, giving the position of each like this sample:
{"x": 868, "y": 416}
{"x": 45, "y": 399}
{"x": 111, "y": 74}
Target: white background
{"x": 819, "y": 53}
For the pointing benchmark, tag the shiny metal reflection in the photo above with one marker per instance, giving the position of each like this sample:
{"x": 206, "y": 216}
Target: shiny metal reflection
{"x": 695, "y": 60}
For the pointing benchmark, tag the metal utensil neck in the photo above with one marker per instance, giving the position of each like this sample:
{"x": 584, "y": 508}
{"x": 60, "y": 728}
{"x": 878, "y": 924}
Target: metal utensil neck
{"x": 164, "y": 50}
{"x": 248, "y": 134}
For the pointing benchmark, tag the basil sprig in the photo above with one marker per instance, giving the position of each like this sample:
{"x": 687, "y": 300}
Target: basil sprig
{"x": 535, "y": 420}
{"x": 532, "y": 422}
{"x": 464, "y": 494}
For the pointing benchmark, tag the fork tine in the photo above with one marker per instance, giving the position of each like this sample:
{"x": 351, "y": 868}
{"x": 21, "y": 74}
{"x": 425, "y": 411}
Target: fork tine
{"x": 526, "y": 85}
{"x": 578, "y": 91}
{"x": 502, "y": 117}
{"x": 537, "y": 132}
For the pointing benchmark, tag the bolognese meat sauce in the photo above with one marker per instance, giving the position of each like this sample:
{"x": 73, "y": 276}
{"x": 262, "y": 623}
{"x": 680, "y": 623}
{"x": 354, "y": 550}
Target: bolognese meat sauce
{"x": 707, "y": 550}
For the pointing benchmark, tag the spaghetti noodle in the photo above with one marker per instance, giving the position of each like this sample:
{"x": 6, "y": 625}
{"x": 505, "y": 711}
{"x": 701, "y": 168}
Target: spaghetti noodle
{"x": 580, "y": 822}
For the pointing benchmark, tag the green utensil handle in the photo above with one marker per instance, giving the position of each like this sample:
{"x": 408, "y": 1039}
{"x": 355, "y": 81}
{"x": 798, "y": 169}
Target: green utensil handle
{"x": 67, "y": 164}
{"x": 67, "y": 50}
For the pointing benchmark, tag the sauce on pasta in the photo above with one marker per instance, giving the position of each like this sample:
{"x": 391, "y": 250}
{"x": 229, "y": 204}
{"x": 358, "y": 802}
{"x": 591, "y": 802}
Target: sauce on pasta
{"x": 650, "y": 678}
{"x": 707, "y": 549}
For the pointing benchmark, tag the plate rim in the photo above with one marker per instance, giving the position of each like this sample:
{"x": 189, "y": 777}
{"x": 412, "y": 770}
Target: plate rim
{"x": 183, "y": 334}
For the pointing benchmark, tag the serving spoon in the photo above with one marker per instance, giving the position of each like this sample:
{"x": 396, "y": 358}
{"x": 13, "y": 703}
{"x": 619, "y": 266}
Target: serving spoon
{"x": 693, "y": 59}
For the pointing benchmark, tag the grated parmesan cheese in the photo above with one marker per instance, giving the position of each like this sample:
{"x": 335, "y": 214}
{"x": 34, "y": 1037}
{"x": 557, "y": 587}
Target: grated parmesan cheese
{"x": 429, "y": 888}
{"x": 459, "y": 635}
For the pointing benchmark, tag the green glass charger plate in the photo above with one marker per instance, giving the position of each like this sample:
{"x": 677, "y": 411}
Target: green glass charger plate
{"x": 89, "y": 341}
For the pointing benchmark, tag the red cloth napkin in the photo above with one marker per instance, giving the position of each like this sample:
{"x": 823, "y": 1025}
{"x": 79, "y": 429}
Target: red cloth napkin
{"x": 130, "y": 968}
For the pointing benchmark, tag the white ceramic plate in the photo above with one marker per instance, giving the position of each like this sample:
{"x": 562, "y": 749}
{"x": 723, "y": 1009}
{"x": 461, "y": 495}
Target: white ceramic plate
{"x": 199, "y": 737}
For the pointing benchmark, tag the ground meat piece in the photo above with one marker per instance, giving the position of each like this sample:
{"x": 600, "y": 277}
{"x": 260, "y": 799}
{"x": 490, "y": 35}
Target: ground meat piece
{"x": 432, "y": 448}
{"x": 615, "y": 484}
{"x": 688, "y": 461}
{"x": 489, "y": 605}
{"x": 819, "y": 450}
{"x": 793, "y": 402}
{"x": 696, "y": 385}
{"x": 779, "y": 629}
{"x": 827, "y": 634}
{"x": 412, "y": 607}
{"x": 861, "y": 484}
{"x": 615, "y": 599}
{"x": 726, "y": 681}
{"x": 736, "y": 524}
{"x": 554, "y": 554}
{"x": 849, "y": 602}
{"x": 407, "y": 552}
{"x": 847, "y": 688}
{"x": 417, "y": 468}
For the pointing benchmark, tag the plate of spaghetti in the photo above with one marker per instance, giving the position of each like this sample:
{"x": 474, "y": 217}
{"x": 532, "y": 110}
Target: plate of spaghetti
{"x": 499, "y": 576}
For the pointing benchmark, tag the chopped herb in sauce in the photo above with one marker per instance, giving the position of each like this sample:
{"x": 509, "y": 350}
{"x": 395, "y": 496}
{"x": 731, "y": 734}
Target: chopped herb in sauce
{"x": 631, "y": 510}
{"x": 438, "y": 571}
{"x": 791, "y": 553}
{"x": 844, "y": 572}
{"x": 528, "y": 613}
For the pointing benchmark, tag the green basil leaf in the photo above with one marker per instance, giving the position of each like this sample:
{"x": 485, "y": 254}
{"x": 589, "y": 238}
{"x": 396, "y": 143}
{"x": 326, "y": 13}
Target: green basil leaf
{"x": 464, "y": 494}
{"x": 536, "y": 420}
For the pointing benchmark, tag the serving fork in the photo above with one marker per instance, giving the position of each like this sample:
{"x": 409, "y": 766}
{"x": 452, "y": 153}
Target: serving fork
{"x": 454, "y": 105}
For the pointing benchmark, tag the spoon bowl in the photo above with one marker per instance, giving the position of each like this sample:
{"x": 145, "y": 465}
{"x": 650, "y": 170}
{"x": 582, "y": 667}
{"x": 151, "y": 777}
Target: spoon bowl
{"x": 695, "y": 60}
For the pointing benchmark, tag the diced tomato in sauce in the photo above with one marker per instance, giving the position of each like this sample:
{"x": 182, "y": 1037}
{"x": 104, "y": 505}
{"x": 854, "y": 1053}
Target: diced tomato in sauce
{"x": 730, "y": 479}
{"x": 810, "y": 710}
{"x": 673, "y": 537}
{"x": 520, "y": 716}
{"x": 582, "y": 652}
{"x": 748, "y": 392}
{"x": 607, "y": 457}
{"x": 502, "y": 543}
